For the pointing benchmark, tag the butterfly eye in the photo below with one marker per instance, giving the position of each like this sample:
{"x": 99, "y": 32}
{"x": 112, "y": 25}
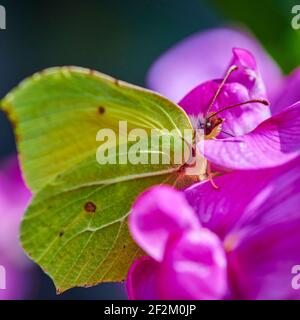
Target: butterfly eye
{"x": 208, "y": 124}
{"x": 201, "y": 125}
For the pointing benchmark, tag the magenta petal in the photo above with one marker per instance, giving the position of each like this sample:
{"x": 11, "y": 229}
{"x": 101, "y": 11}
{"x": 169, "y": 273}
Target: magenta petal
{"x": 17, "y": 278}
{"x": 265, "y": 243}
{"x": 194, "y": 267}
{"x": 247, "y": 74}
{"x": 14, "y": 197}
{"x": 262, "y": 263}
{"x": 257, "y": 214}
{"x": 273, "y": 143}
{"x": 202, "y": 57}
{"x": 141, "y": 282}
{"x": 196, "y": 102}
{"x": 220, "y": 210}
{"x": 158, "y": 214}
{"x": 289, "y": 94}
{"x": 244, "y": 84}
{"x": 238, "y": 121}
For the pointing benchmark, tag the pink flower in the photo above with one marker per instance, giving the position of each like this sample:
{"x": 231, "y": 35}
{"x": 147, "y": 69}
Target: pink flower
{"x": 239, "y": 135}
{"x": 240, "y": 242}
{"x": 14, "y": 197}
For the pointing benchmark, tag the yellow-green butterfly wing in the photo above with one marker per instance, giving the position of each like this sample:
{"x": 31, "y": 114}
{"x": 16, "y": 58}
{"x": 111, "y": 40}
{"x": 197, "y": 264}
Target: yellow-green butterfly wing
{"x": 75, "y": 227}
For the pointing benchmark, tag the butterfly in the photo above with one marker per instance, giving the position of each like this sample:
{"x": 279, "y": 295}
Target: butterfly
{"x": 75, "y": 227}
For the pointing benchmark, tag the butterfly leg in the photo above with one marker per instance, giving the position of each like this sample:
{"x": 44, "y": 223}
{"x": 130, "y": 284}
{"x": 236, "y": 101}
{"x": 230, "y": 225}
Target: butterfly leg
{"x": 210, "y": 176}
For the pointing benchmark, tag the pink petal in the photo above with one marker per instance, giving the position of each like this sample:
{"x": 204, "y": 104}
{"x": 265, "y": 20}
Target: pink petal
{"x": 141, "y": 282}
{"x": 265, "y": 243}
{"x": 19, "y": 279}
{"x": 289, "y": 94}
{"x": 203, "y": 57}
{"x": 14, "y": 197}
{"x": 261, "y": 264}
{"x": 247, "y": 73}
{"x": 244, "y": 84}
{"x": 239, "y": 120}
{"x": 157, "y": 214}
{"x": 194, "y": 267}
{"x": 257, "y": 214}
{"x": 220, "y": 210}
{"x": 273, "y": 143}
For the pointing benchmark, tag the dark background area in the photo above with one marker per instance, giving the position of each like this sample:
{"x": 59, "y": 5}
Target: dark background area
{"x": 120, "y": 38}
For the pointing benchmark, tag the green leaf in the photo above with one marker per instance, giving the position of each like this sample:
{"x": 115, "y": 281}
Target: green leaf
{"x": 76, "y": 226}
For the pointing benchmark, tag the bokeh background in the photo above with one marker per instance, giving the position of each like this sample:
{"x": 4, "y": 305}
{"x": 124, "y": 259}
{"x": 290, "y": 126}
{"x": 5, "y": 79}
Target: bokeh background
{"x": 121, "y": 38}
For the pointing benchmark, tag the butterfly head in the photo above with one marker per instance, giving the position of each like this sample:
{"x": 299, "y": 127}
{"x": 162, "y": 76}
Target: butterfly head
{"x": 211, "y": 126}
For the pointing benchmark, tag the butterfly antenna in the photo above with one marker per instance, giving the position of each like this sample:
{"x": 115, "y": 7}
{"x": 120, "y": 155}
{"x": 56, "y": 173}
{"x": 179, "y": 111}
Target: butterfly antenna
{"x": 227, "y": 75}
{"x": 262, "y": 101}
{"x": 229, "y": 134}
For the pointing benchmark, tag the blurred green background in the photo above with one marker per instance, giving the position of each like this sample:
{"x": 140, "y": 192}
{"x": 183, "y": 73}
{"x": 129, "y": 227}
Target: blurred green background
{"x": 123, "y": 38}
